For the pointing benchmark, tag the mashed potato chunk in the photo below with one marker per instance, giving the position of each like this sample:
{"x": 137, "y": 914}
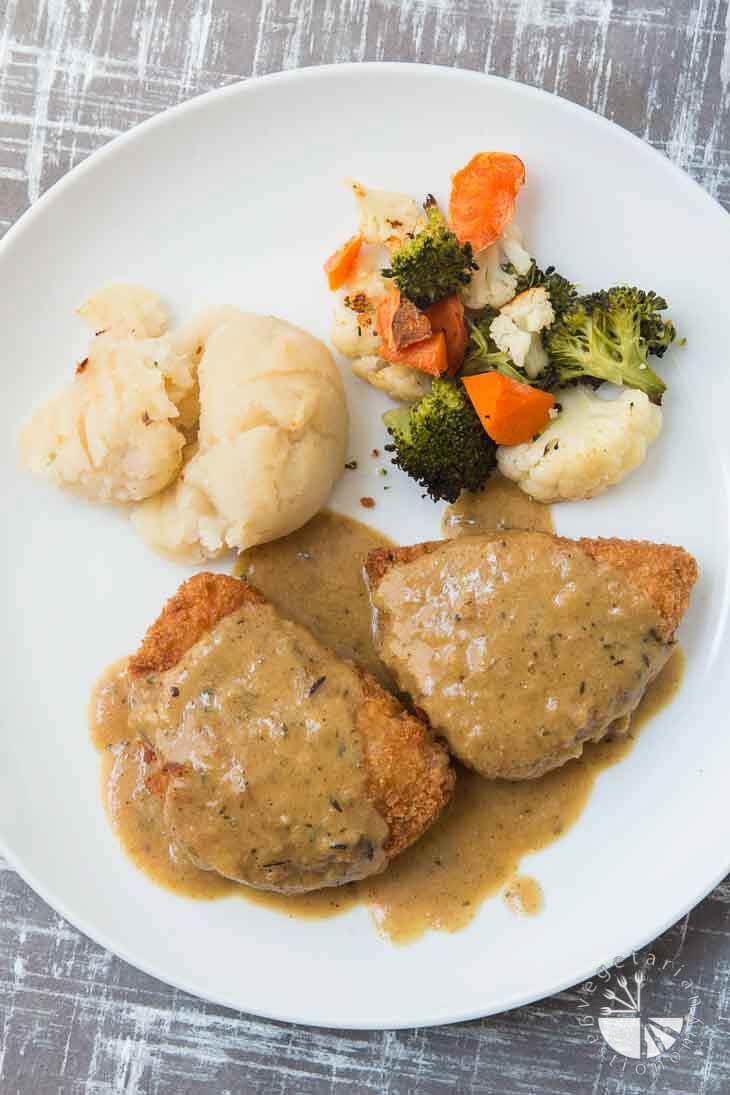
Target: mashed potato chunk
{"x": 271, "y": 442}
{"x": 125, "y": 310}
{"x": 180, "y": 522}
{"x": 110, "y": 434}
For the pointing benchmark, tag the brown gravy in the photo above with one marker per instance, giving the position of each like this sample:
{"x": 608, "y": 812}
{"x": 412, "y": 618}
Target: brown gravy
{"x": 661, "y": 691}
{"x": 524, "y": 895}
{"x": 500, "y": 505}
{"x": 108, "y": 709}
{"x": 136, "y": 816}
{"x": 472, "y": 852}
{"x": 314, "y": 577}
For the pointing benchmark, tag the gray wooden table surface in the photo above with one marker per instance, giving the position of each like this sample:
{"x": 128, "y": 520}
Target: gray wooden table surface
{"x": 74, "y": 74}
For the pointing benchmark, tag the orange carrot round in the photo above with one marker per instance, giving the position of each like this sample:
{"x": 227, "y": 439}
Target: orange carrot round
{"x": 339, "y": 265}
{"x": 483, "y": 197}
{"x": 510, "y": 412}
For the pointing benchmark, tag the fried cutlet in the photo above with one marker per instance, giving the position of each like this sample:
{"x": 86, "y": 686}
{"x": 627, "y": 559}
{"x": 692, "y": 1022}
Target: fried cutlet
{"x": 519, "y": 647}
{"x": 283, "y": 765}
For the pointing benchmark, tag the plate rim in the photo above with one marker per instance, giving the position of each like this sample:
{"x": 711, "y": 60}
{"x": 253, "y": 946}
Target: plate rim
{"x": 242, "y": 87}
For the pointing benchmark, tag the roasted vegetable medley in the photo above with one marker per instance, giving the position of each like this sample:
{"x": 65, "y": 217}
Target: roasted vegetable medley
{"x": 500, "y": 362}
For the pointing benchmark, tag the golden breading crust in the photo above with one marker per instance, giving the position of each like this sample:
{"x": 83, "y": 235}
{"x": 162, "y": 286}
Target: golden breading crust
{"x": 665, "y": 573}
{"x": 199, "y": 604}
{"x": 410, "y": 778}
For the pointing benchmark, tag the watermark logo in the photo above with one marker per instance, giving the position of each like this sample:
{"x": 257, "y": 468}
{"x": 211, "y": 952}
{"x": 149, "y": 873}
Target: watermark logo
{"x": 641, "y": 1012}
{"x": 628, "y": 1029}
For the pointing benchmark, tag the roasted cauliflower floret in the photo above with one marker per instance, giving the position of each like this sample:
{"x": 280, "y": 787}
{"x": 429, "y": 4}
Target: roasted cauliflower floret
{"x": 397, "y": 381}
{"x": 495, "y": 281}
{"x": 516, "y": 330}
{"x": 354, "y": 332}
{"x": 386, "y": 217}
{"x": 530, "y": 311}
{"x": 592, "y": 444}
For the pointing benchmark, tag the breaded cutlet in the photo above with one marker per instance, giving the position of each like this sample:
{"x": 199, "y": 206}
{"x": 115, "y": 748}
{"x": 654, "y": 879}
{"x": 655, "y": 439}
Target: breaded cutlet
{"x": 516, "y": 648}
{"x": 409, "y": 777}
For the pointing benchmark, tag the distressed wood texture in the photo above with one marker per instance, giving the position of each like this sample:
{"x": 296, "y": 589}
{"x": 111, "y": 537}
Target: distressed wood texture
{"x": 73, "y": 74}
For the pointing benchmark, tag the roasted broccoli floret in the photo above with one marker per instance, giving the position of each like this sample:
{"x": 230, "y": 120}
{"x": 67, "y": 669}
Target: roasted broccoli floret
{"x": 563, "y": 294}
{"x": 608, "y": 336}
{"x": 433, "y": 264}
{"x": 483, "y": 356}
{"x": 658, "y": 332}
{"x": 441, "y": 443}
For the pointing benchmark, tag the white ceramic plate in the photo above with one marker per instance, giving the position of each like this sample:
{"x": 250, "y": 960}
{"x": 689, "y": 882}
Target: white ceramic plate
{"x": 237, "y": 197}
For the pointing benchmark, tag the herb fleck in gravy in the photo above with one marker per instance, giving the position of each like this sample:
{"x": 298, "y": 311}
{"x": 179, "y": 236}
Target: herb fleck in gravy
{"x": 474, "y": 849}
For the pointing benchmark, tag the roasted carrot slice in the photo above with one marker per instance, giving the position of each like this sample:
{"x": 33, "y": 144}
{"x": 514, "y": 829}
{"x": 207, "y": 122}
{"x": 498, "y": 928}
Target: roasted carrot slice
{"x": 339, "y": 265}
{"x": 409, "y": 324}
{"x": 400, "y": 323}
{"x": 428, "y": 355}
{"x": 447, "y": 315}
{"x": 483, "y": 197}
{"x": 384, "y": 315}
{"x": 510, "y": 412}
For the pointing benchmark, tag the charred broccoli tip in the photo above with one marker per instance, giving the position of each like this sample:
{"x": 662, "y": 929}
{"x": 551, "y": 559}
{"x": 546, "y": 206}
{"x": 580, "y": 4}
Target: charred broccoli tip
{"x": 432, "y": 264}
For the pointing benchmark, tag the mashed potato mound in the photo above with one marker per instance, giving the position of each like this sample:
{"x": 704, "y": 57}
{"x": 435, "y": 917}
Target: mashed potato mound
{"x": 111, "y": 435}
{"x": 229, "y": 432}
{"x": 271, "y": 441}
{"x": 189, "y": 343}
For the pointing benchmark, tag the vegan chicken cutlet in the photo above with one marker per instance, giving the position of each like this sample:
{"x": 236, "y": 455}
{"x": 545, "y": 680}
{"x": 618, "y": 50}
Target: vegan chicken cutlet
{"x": 279, "y": 764}
{"x": 521, "y": 646}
